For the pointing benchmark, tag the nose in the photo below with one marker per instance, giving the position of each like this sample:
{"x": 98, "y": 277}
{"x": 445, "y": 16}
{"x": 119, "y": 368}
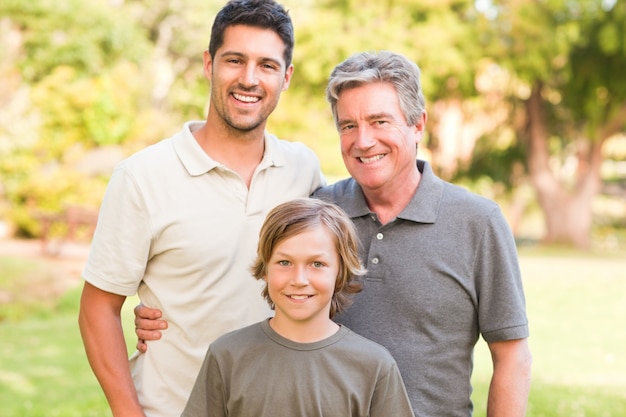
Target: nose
{"x": 300, "y": 278}
{"x": 249, "y": 77}
{"x": 364, "y": 138}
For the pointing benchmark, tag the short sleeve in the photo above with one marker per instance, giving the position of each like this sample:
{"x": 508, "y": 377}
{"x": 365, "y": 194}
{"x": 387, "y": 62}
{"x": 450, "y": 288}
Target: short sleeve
{"x": 121, "y": 244}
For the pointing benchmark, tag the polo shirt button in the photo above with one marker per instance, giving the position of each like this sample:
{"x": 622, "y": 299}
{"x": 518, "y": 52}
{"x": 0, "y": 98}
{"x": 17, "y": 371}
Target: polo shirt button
{"x": 379, "y": 236}
{"x": 375, "y": 261}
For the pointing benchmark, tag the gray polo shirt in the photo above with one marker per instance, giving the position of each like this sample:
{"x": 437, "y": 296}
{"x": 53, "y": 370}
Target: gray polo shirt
{"x": 441, "y": 273}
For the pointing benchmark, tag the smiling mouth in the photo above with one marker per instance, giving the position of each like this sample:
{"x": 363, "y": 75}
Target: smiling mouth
{"x": 246, "y": 99}
{"x": 299, "y": 297}
{"x": 371, "y": 158}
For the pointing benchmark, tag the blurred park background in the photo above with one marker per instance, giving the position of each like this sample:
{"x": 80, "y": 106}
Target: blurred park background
{"x": 526, "y": 102}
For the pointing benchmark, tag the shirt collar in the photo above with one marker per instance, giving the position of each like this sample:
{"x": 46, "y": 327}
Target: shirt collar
{"x": 274, "y": 154}
{"x": 422, "y": 208}
{"x": 424, "y": 205}
{"x": 197, "y": 162}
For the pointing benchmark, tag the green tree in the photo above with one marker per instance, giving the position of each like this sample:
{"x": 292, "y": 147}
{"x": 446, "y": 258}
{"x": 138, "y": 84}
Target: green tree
{"x": 506, "y": 81}
{"x": 568, "y": 96}
{"x": 435, "y": 34}
{"x": 73, "y": 83}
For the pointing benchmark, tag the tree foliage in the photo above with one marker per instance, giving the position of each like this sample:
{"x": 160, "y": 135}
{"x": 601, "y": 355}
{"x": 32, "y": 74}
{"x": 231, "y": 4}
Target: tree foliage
{"x": 79, "y": 86}
{"x": 515, "y": 89}
{"x": 87, "y": 35}
{"x": 564, "y": 60}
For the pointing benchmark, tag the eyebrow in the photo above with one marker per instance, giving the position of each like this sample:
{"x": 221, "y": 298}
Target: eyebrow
{"x": 377, "y": 116}
{"x": 227, "y": 54}
{"x": 281, "y": 254}
{"x": 369, "y": 118}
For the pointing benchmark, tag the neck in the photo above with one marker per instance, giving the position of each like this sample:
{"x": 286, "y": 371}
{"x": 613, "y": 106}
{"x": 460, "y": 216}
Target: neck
{"x": 239, "y": 151}
{"x": 304, "y": 332}
{"x": 389, "y": 200}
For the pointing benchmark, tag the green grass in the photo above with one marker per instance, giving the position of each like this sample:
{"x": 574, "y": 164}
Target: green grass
{"x": 43, "y": 371}
{"x": 25, "y": 296}
{"x": 43, "y": 368}
{"x": 576, "y": 306}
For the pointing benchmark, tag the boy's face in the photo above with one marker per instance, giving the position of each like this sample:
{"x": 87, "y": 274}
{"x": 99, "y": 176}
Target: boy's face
{"x": 301, "y": 275}
{"x": 247, "y": 74}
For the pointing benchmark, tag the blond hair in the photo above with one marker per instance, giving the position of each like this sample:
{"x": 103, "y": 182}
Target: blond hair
{"x": 296, "y": 216}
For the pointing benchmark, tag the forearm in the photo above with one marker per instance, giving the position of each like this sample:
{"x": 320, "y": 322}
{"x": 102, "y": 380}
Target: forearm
{"x": 510, "y": 383}
{"x": 105, "y": 346}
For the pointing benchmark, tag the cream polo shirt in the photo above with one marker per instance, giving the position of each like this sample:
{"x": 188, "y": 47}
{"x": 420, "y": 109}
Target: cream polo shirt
{"x": 181, "y": 230}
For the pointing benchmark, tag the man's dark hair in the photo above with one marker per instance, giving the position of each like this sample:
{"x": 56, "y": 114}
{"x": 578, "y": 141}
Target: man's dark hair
{"x": 266, "y": 14}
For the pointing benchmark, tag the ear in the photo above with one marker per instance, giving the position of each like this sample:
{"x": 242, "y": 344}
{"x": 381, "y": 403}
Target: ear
{"x": 420, "y": 128}
{"x": 288, "y": 75}
{"x": 207, "y": 65}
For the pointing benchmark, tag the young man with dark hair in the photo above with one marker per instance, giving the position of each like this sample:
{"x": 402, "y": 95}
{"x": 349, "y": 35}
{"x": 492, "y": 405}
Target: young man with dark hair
{"x": 180, "y": 219}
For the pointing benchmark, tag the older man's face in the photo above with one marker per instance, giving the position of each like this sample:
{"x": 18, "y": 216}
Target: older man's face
{"x": 378, "y": 146}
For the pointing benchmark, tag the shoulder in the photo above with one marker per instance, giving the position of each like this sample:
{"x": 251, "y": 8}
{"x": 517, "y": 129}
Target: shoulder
{"x": 290, "y": 148}
{"x": 166, "y": 150}
{"x": 338, "y": 191}
{"x": 476, "y": 215}
{"x": 239, "y": 335}
{"x": 457, "y": 196}
{"x": 149, "y": 158}
{"x": 237, "y": 343}
{"x": 177, "y": 154}
{"x": 295, "y": 160}
{"x": 448, "y": 197}
{"x": 366, "y": 349}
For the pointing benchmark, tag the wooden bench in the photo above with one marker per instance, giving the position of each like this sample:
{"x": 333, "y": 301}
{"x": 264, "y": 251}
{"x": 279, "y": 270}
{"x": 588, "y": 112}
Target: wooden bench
{"x": 74, "y": 223}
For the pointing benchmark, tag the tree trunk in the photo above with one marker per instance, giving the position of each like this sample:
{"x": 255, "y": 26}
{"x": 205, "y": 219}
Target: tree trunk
{"x": 567, "y": 210}
{"x": 456, "y": 131}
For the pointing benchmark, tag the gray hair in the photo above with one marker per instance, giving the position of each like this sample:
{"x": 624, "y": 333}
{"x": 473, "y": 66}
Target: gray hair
{"x": 386, "y": 67}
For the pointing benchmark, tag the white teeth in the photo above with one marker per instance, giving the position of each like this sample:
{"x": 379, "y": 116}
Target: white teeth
{"x": 299, "y": 297}
{"x": 372, "y": 159}
{"x": 246, "y": 99}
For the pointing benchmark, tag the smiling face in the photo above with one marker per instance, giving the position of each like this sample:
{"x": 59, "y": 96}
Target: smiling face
{"x": 377, "y": 145}
{"x": 247, "y": 77}
{"x": 301, "y": 276}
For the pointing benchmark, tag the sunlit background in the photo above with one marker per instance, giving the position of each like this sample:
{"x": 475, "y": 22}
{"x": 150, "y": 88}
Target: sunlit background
{"x": 526, "y": 105}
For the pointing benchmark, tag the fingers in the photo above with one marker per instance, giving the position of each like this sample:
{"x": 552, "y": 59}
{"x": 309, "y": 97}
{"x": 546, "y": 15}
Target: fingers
{"x": 142, "y": 346}
{"x": 141, "y": 311}
{"x": 149, "y": 324}
{"x": 148, "y": 330}
{"x": 143, "y": 335}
